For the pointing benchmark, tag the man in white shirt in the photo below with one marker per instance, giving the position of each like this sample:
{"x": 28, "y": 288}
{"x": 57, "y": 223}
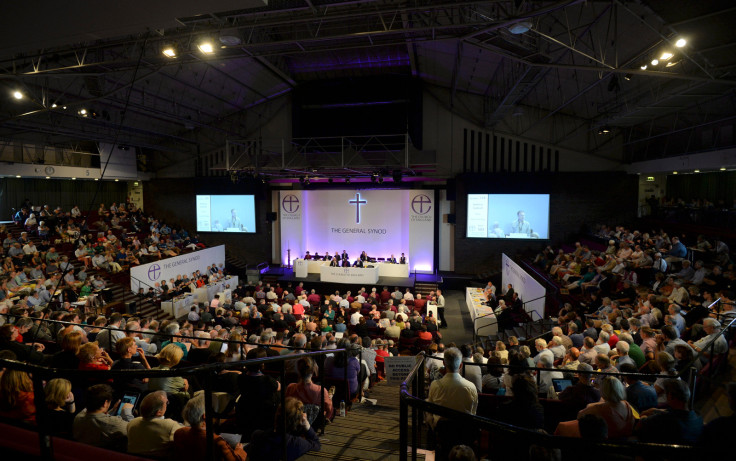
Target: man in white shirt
{"x": 355, "y": 317}
{"x": 408, "y": 296}
{"x": 454, "y": 392}
{"x": 542, "y": 351}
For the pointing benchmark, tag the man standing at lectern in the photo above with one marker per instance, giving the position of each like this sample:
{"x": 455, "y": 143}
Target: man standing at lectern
{"x": 441, "y": 309}
{"x": 521, "y": 225}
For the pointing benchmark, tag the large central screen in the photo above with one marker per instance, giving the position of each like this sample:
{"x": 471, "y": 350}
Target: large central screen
{"x": 226, "y": 213}
{"x": 512, "y": 216}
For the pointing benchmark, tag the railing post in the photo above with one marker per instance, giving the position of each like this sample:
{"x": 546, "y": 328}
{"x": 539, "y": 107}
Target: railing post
{"x": 44, "y": 439}
{"x": 284, "y": 451}
{"x": 403, "y": 425}
{"x": 692, "y": 381}
{"x": 208, "y": 410}
{"x": 414, "y": 417}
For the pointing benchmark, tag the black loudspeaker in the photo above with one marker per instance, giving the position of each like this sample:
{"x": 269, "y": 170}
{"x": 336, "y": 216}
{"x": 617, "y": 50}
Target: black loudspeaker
{"x": 130, "y": 307}
{"x": 271, "y": 216}
{"x": 451, "y": 190}
{"x": 451, "y": 218}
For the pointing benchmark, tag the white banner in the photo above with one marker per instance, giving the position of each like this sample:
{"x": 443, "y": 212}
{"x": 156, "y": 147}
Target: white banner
{"x": 530, "y": 291}
{"x": 360, "y": 275}
{"x": 149, "y": 274}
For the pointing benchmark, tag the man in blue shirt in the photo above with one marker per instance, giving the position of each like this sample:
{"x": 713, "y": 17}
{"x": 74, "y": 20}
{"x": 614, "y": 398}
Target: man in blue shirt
{"x": 640, "y": 395}
{"x": 677, "y": 252}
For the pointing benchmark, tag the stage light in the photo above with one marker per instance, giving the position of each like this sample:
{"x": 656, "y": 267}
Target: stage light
{"x": 53, "y": 106}
{"x": 206, "y": 47}
{"x": 674, "y": 172}
{"x": 347, "y": 180}
{"x": 666, "y": 55}
{"x": 604, "y": 129}
{"x": 48, "y": 177}
{"x": 672, "y": 63}
{"x": 17, "y": 95}
{"x": 654, "y": 62}
{"x": 627, "y": 77}
{"x": 680, "y": 43}
{"x": 73, "y": 179}
{"x": 17, "y": 176}
{"x": 169, "y": 51}
{"x": 117, "y": 180}
{"x": 723, "y": 168}
{"x": 82, "y": 112}
{"x": 397, "y": 175}
{"x": 697, "y": 171}
{"x": 329, "y": 180}
{"x": 644, "y": 67}
{"x": 380, "y": 180}
{"x": 306, "y": 181}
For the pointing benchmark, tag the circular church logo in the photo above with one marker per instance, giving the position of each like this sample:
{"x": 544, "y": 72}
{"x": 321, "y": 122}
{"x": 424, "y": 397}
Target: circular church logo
{"x": 421, "y": 204}
{"x": 290, "y": 203}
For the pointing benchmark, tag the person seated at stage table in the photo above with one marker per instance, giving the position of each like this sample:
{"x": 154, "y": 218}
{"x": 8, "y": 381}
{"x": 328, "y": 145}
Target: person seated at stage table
{"x": 345, "y": 263}
{"x": 358, "y": 263}
{"x": 307, "y": 256}
{"x": 363, "y": 256}
{"x": 327, "y": 256}
{"x": 335, "y": 262}
{"x": 391, "y": 260}
{"x": 402, "y": 259}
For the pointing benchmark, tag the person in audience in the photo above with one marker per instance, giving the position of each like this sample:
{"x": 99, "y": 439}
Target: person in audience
{"x": 168, "y": 358}
{"x": 95, "y": 426}
{"x": 614, "y": 409}
{"x": 93, "y": 357}
{"x": 17, "y": 397}
{"x": 126, "y": 349}
{"x": 298, "y": 434}
{"x": 640, "y": 395}
{"x": 259, "y": 396}
{"x": 60, "y": 407}
{"x": 151, "y": 434}
{"x": 524, "y": 409}
{"x": 675, "y": 424}
{"x": 582, "y": 393}
{"x": 190, "y": 443}
{"x": 308, "y": 392}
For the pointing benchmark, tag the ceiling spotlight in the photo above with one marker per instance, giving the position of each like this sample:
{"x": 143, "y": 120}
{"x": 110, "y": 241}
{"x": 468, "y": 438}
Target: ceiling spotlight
{"x": 17, "y": 176}
{"x": 53, "y": 106}
{"x": 697, "y": 171}
{"x": 680, "y": 43}
{"x": 97, "y": 179}
{"x": 674, "y": 172}
{"x": 117, "y": 180}
{"x": 169, "y": 51}
{"x": 17, "y": 95}
{"x": 63, "y": 107}
{"x": 655, "y": 62}
{"x": 380, "y": 180}
{"x": 83, "y": 112}
{"x": 520, "y": 27}
{"x": 73, "y": 179}
{"x": 347, "y": 180}
{"x": 230, "y": 40}
{"x": 666, "y": 55}
{"x": 206, "y": 47}
{"x": 627, "y": 77}
{"x": 604, "y": 129}
{"x": 723, "y": 168}
{"x": 306, "y": 181}
{"x": 672, "y": 63}
{"x": 48, "y": 177}
{"x": 644, "y": 67}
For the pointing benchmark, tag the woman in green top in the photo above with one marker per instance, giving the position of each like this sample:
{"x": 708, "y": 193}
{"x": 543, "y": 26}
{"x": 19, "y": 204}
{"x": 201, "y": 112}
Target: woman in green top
{"x": 85, "y": 290}
{"x": 325, "y": 327}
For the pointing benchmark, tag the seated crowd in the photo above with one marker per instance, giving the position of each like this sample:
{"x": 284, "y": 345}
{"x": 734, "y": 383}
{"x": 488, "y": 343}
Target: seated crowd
{"x": 260, "y": 322}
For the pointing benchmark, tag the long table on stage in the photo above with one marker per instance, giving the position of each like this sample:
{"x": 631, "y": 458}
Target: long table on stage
{"x": 179, "y": 306}
{"x": 479, "y": 312}
{"x": 303, "y": 267}
{"x": 367, "y": 275}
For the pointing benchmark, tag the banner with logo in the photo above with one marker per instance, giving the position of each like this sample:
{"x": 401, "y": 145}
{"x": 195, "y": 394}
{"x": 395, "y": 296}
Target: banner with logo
{"x": 149, "y": 274}
{"x": 530, "y": 291}
{"x": 380, "y": 222}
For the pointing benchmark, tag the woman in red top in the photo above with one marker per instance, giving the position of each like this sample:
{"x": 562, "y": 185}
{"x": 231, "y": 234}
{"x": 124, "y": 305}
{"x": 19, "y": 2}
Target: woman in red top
{"x": 92, "y": 357}
{"x": 16, "y": 396}
{"x": 308, "y": 392}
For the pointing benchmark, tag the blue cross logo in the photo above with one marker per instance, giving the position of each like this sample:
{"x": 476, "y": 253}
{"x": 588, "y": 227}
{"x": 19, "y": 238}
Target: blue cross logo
{"x": 154, "y": 272}
{"x": 357, "y": 202}
{"x": 417, "y": 204}
{"x": 290, "y": 203}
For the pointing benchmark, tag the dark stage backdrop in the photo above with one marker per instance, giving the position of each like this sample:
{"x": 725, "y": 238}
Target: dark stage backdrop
{"x": 58, "y": 192}
{"x": 577, "y": 200}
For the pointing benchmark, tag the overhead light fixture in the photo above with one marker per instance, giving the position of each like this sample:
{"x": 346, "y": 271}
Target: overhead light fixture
{"x": 17, "y": 94}
{"x": 627, "y": 77}
{"x": 83, "y": 112}
{"x": 97, "y": 179}
{"x": 117, "y": 180}
{"x": 644, "y": 67}
{"x": 230, "y": 40}
{"x": 347, "y": 180}
{"x": 666, "y": 55}
{"x": 48, "y": 177}
{"x": 672, "y": 63}
{"x": 723, "y": 168}
{"x": 17, "y": 176}
{"x": 169, "y": 51}
{"x": 53, "y": 106}
{"x": 604, "y": 129}
{"x": 206, "y": 47}
{"x": 63, "y": 107}
{"x": 655, "y": 62}
{"x": 520, "y": 27}
{"x": 680, "y": 43}
{"x": 74, "y": 179}
{"x": 674, "y": 172}
{"x": 697, "y": 171}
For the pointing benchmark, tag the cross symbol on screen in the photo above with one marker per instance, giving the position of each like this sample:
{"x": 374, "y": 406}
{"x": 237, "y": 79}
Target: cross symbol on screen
{"x": 357, "y": 202}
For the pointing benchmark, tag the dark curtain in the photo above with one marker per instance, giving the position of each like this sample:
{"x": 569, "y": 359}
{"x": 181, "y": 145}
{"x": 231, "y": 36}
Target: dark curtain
{"x": 712, "y": 186}
{"x": 58, "y": 192}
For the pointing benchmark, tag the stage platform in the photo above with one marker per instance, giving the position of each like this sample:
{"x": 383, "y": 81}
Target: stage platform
{"x": 286, "y": 276}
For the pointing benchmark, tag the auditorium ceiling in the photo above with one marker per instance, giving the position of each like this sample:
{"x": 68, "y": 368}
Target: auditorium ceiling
{"x": 573, "y": 67}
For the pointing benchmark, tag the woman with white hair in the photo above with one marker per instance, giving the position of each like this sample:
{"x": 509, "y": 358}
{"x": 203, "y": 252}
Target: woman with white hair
{"x": 614, "y": 409}
{"x": 190, "y": 443}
